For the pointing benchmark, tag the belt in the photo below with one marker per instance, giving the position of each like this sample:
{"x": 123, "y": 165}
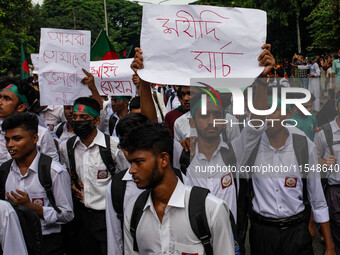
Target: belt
{"x": 282, "y": 223}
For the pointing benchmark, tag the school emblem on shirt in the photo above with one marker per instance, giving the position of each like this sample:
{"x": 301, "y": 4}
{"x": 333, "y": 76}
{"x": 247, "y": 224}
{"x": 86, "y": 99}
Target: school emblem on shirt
{"x": 102, "y": 174}
{"x": 51, "y": 127}
{"x": 226, "y": 181}
{"x": 185, "y": 253}
{"x": 290, "y": 182}
{"x": 38, "y": 201}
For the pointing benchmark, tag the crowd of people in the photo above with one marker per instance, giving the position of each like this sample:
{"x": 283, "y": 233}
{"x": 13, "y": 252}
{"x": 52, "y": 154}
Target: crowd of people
{"x": 153, "y": 174}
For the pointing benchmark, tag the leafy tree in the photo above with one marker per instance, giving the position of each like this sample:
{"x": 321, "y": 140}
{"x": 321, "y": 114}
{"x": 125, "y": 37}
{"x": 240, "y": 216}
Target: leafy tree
{"x": 15, "y": 19}
{"x": 325, "y": 25}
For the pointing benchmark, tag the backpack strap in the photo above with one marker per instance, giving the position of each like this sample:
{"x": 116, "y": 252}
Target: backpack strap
{"x": 184, "y": 161}
{"x": 198, "y": 217}
{"x": 329, "y": 136}
{"x": 158, "y": 106}
{"x": 301, "y": 152}
{"x": 44, "y": 175}
{"x": 112, "y": 123}
{"x": 118, "y": 187}
{"x": 137, "y": 213}
{"x": 178, "y": 173}
{"x": 105, "y": 153}
{"x": 60, "y": 129}
{"x": 71, "y": 160}
{"x": 229, "y": 158}
{"x": 4, "y": 171}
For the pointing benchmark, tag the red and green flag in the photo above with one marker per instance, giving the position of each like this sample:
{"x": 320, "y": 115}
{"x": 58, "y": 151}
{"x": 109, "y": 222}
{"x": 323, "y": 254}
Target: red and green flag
{"x": 126, "y": 53}
{"x": 103, "y": 49}
{"x": 24, "y": 69}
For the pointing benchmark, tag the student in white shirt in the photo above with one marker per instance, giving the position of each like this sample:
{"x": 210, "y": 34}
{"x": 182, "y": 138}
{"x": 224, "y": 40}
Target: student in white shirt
{"x": 93, "y": 175}
{"x": 11, "y": 237}
{"x": 279, "y": 217}
{"x": 126, "y": 125}
{"x": 18, "y": 96}
{"x": 164, "y": 227}
{"x": 23, "y": 184}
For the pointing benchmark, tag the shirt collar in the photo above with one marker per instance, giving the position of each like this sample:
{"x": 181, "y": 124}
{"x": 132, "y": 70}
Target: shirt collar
{"x": 127, "y": 176}
{"x": 334, "y": 125}
{"x": 176, "y": 199}
{"x": 34, "y": 165}
{"x": 265, "y": 140}
{"x": 201, "y": 156}
{"x": 98, "y": 140}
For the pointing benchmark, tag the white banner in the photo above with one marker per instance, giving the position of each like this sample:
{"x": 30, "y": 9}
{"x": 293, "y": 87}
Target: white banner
{"x": 183, "y": 42}
{"x": 62, "y": 55}
{"x": 113, "y": 77}
{"x": 35, "y": 62}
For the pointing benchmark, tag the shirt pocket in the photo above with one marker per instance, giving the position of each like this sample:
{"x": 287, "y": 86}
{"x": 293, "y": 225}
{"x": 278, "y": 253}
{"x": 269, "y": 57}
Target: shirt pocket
{"x": 184, "y": 249}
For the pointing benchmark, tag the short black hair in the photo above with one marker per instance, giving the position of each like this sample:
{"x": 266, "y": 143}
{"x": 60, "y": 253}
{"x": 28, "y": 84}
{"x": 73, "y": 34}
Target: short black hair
{"x": 134, "y": 103}
{"x": 26, "y": 120}
{"x": 88, "y": 101}
{"x": 23, "y": 88}
{"x": 179, "y": 91}
{"x": 146, "y": 136}
{"x": 129, "y": 122}
{"x": 280, "y": 72}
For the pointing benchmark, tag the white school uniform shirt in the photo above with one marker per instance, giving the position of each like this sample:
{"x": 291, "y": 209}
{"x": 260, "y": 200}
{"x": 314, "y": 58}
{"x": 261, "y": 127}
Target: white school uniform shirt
{"x": 65, "y": 135}
{"x": 61, "y": 188}
{"x": 333, "y": 177}
{"x": 174, "y": 235}
{"x": 11, "y": 238}
{"x": 113, "y": 224}
{"x": 183, "y": 130}
{"x": 45, "y": 145}
{"x": 91, "y": 169}
{"x": 52, "y": 115}
{"x": 280, "y": 195}
{"x": 221, "y": 182}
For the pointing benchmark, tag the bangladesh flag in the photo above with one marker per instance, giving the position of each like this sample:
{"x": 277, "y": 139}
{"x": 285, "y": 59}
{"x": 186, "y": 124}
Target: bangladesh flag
{"x": 24, "y": 69}
{"x": 126, "y": 53}
{"x": 103, "y": 49}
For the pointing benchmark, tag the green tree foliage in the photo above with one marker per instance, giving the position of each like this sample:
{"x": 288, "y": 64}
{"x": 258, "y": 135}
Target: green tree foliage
{"x": 15, "y": 19}
{"x": 325, "y": 25}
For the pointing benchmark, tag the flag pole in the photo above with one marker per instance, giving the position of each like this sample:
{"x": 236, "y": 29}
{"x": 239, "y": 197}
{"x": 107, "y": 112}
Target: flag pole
{"x": 106, "y": 28}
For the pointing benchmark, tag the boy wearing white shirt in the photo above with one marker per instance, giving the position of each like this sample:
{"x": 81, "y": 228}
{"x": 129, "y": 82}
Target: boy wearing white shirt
{"x": 24, "y": 187}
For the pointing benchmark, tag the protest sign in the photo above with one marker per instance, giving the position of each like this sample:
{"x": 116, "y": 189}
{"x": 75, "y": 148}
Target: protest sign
{"x": 113, "y": 77}
{"x": 183, "y": 42}
{"x": 35, "y": 62}
{"x": 62, "y": 55}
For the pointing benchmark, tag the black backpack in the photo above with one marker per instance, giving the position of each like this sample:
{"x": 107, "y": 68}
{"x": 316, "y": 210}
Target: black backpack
{"x": 197, "y": 217}
{"x": 243, "y": 193}
{"x": 60, "y": 130}
{"x": 118, "y": 187}
{"x": 105, "y": 153}
{"x": 44, "y": 175}
{"x": 29, "y": 220}
{"x": 300, "y": 145}
{"x": 31, "y": 228}
{"x": 329, "y": 136}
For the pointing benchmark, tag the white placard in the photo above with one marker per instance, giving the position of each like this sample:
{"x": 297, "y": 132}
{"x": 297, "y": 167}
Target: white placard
{"x": 35, "y": 62}
{"x": 183, "y": 42}
{"x": 62, "y": 55}
{"x": 113, "y": 77}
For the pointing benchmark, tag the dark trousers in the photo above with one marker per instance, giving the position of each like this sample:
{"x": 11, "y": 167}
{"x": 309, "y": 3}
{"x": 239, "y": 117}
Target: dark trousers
{"x": 52, "y": 244}
{"x": 273, "y": 240}
{"x": 333, "y": 201}
{"x": 91, "y": 232}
